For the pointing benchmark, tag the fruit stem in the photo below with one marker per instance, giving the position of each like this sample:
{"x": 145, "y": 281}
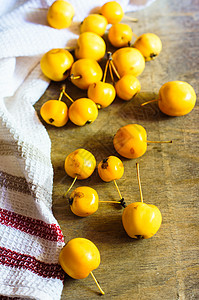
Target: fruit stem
{"x": 139, "y": 183}
{"x": 117, "y": 188}
{"x": 70, "y": 187}
{"x": 69, "y": 48}
{"x": 62, "y": 92}
{"x": 130, "y": 19}
{"x": 68, "y": 96}
{"x": 101, "y": 291}
{"x": 117, "y": 202}
{"x": 150, "y": 101}
{"x": 121, "y": 202}
{"x": 114, "y": 69}
{"x": 105, "y": 71}
{"x": 160, "y": 142}
{"x": 135, "y": 35}
{"x": 75, "y": 77}
{"x": 98, "y": 106}
{"x": 111, "y": 73}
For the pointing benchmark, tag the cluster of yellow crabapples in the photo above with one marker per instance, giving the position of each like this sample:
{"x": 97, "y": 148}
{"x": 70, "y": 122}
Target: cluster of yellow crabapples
{"x": 140, "y": 220}
{"x": 176, "y": 98}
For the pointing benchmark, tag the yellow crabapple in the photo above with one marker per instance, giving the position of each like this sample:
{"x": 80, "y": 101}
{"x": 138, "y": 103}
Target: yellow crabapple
{"x": 102, "y": 93}
{"x": 128, "y": 60}
{"x": 127, "y": 87}
{"x": 60, "y": 14}
{"x": 120, "y": 35}
{"x": 112, "y": 11}
{"x": 149, "y": 44}
{"x": 84, "y": 72}
{"x": 79, "y": 257}
{"x": 94, "y": 23}
{"x": 141, "y": 220}
{"x": 83, "y": 111}
{"x": 90, "y": 45}
{"x": 55, "y": 63}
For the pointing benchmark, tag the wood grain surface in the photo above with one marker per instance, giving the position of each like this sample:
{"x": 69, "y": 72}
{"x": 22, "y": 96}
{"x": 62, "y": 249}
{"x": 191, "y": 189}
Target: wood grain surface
{"x": 167, "y": 265}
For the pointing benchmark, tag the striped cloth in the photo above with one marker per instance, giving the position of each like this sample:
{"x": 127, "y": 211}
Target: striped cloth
{"x": 30, "y": 237}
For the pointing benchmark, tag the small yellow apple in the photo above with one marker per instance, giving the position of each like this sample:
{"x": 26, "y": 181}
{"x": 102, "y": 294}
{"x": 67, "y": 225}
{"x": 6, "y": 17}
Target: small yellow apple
{"x": 55, "y": 64}
{"x": 60, "y": 14}
{"x": 90, "y": 45}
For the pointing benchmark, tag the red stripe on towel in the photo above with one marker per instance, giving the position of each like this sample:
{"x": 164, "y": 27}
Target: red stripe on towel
{"x": 35, "y": 227}
{"x": 22, "y": 261}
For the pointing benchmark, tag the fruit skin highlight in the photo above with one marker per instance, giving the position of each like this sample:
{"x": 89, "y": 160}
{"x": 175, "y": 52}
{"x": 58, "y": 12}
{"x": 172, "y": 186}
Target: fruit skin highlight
{"x": 176, "y": 98}
{"x": 60, "y": 14}
{"x": 149, "y": 44}
{"x": 84, "y": 201}
{"x": 79, "y": 257}
{"x": 55, "y": 63}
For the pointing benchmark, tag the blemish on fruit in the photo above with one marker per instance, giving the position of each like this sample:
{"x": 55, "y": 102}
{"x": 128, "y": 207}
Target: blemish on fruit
{"x": 139, "y": 237}
{"x": 153, "y": 55}
{"x": 70, "y": 200}
{"x": 79, "y": 194}
{"x": 105, "y": 163}
{"x": 51, "y": 120}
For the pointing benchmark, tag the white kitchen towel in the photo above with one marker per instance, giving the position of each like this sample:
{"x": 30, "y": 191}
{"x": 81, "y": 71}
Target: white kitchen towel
{"x": 30, "y": 237}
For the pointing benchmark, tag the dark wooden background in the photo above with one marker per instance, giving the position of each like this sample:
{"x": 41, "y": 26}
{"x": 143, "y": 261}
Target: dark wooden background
{"x": 167, "y": 265}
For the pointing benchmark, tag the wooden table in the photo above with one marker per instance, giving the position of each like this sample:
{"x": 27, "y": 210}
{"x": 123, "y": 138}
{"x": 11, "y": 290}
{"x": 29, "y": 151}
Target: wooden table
{"x": 167, "y": 265}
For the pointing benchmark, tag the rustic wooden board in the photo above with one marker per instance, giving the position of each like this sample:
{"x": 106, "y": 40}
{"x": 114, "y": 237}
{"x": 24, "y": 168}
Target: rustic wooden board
{"x": 167, "y": 265}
